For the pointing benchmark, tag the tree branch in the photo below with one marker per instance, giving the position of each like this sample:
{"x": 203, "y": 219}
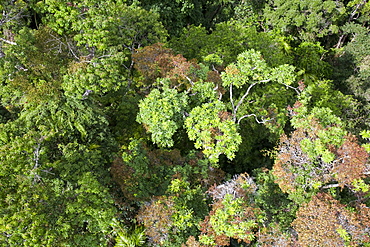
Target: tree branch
{"x": 255, "y": 117}
{"x": 235, "y": 110}
{"x": 232, "y": 101}
{"x": 295, "y": 89}
{"x": 8, "y": 41}
{"x": 330, "y": 186}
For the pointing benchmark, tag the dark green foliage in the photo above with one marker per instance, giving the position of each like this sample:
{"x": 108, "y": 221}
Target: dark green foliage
{"x": 273, "y": 201}
{"x": 56, "y": 190}
{"x": 227, "y": 40}
{"x": 306, "y": 20}
{"x": 178, "y": 14}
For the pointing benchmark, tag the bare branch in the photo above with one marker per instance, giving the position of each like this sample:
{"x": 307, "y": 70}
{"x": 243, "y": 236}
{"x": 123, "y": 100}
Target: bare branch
{"x": 8, "y": 41}
{"x": 330, "y": 186}
{"x": 263, "y": 121}
{"x": 235, "y": 109}
{"x": 232, "y": 101}
{"x": 190, "y": 81}
{"x": 294, "y": 88}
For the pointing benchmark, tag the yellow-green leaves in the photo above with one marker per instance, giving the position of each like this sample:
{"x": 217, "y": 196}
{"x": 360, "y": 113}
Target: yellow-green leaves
{"x": 162, "y": 114}
{"x": 212, "y": 130}
{"x": 249, "y": 68}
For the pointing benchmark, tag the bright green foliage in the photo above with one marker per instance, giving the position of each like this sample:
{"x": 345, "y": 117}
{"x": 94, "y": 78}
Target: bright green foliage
{"x": 332, "y": 131}
{"x": 162, "y": 114}
{"x": 251, "y": 67}
{"x": 97, "y": 76}
{"x": 233, "y": 213}
{"x": 220, "y": 221}
{"x": 209, "y": 123}
{"x": 190, "y": 207}
{"x": 127, "y": 238}
{"x": 211, "y": 133}
{"x": 257, "y": 84}
{"x": 321, "y": 94}
{"x": 203, "y": 92}
{"x": 366, "y": 134}
{"x": 360, "y": 186}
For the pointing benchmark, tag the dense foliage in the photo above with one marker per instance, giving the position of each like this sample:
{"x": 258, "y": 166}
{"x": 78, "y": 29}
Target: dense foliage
{"x": 184, "y": 123}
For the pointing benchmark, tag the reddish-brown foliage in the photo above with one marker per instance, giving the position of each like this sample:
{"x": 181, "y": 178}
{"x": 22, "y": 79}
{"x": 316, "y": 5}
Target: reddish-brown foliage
{"x": 156, "y": 61}
{"x": 290, "y": 156}
{"x": 159, "y": 162}
{"x": 320, "y": 221}
{"x": 146, "y": 61}
{"x": 292, "y": 162}
{"x": 191, "y": 242}
{"x": 122, "y": 174}
{"x": 272, "y": 236}
{"x": 157, "y": 219}
{"x": 351, "y": 162}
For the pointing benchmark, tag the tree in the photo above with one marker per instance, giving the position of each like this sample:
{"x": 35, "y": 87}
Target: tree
{"x": 324, "y": 221}
{"x": 307, "y": 20}
{"x": 58, "y": 187}
{"x": 233, "y": 213}
{"x": 209, "y": 124}
{"x": 62, "y": 199}
{"x": 318, "y": 153}
{"x": 176, "y": 15}
{"x": 105, "y": 36}
{"x": 170, "y": 219}
{"x": 229, "y": 39}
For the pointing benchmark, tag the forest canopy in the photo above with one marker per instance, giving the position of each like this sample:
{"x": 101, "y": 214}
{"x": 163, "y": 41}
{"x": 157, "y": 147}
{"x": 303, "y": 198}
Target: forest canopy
{"x": 184, "y": 123}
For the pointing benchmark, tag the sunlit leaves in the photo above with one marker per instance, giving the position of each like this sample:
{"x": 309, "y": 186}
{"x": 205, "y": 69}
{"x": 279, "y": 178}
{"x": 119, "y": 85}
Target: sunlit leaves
{"x": 162, "y": 114}
{"x": 233, "y": 214}
{"x": 250, "y": 67}
{"x": 96, "y": 76}
{"x": 214, "y": 134}
{"x": 102, "y": 24}
{"x": 318, "y": 152}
